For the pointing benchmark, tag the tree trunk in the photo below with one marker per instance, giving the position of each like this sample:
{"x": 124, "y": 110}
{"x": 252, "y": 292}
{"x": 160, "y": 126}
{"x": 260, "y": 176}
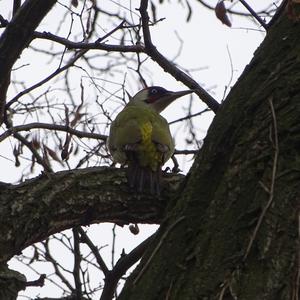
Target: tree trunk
{"x": 234, "y": 232}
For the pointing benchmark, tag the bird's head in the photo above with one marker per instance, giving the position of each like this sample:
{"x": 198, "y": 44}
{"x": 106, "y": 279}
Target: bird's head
{"x": 157, "y": 97}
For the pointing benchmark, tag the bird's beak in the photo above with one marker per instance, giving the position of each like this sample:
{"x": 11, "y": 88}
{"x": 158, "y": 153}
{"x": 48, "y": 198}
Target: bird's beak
{"x": 175, "y": 95}
{"x": 167, "y": 99}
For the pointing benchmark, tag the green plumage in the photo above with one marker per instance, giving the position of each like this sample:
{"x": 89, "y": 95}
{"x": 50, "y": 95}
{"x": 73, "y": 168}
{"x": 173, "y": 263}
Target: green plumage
{"x": 140, "y": 137}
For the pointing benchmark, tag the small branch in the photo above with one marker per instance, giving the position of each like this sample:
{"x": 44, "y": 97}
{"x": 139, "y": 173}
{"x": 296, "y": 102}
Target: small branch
{"x": 168, "y": 66}
{"x": 77, "y": 259}
{"x": 17, "y": 4}
{"x": 43, "y": 81}
{"x": 64, "y": 128}
{"x": 278, "y": 13}
{"x": 268, "y": 10}
{"x": 85, "y": 239}
{"x": 38, "y": 282}
{"x": 3, "y": 22}
{"x": 254, "y": 14}
{"x": 16, "y": 36}
{"x": 60, "y": 69}
{"x": 122, "y": 265}
{"x": 190, "y": 116}
{"x": 88, "y": 46}
{"x": 43, "y": 162}
{"x": 54, "y": 263}
{"x": 113, "y": 245}
{"x": 185, "y": 152}
{"x": 128, "y": 260}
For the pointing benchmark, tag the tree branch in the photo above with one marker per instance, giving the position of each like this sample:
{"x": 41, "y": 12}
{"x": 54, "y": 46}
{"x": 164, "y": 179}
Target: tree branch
{"x": 16, "y": 37}
{"x": 122, "y": 265}
{"x": 71, "y": 62}
{"x": 82, "y": 45}
{"x": 38, "y": 282}
{"x": 17, "y": 4}
{"x": 267, "y": 10}
{"x": 85, "y": 239}
{"x": 73, "y": 198}
{"x": 254, "y": 14}
{"x": 77, "y": 260}
{"x": 168, "y": 66}
{"x": 64, "y": 128}
{"x": 56, "y": 266}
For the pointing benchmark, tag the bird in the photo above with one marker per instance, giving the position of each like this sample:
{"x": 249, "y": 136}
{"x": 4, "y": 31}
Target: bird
{"x": 140, "y": 137}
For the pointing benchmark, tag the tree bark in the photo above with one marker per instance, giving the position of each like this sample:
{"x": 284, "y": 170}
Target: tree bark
{"x": 234, "y": 232}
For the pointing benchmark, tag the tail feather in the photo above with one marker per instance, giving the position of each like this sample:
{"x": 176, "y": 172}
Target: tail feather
{"x": 143, "y": 179}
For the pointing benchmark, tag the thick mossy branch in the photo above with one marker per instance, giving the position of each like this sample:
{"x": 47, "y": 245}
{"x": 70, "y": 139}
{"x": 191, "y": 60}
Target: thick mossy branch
{"x": 37, "y": 208}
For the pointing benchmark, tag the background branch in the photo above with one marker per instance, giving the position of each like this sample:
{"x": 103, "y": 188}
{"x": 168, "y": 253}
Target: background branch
{"x": 89, "y": 46}
{"x": 123, "y": 264}
{"x": 64, "y": 128}
{"x": 16, "y": 37}
{"x": 168, "y": 66}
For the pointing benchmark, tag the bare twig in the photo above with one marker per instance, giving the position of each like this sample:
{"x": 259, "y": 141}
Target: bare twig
{"x": 89, "y": 46}
{"x": 254, "y": 14}
{"x": 61, "y": 69}
{"x": 185, "y": 152}
{"x": 55, "y": 265}
{"x": 64, "y": 128}
{"x": 38, "y": 282}
{"x": 231, "y": 74}
{"x": 84, "y": 237}
{"x": 43, "y": 81}
{"x": 278, "y": 13}
{"x": 77, "y": 259}
{"x": 190, "y": 116}
{"x": 18, "y": 33}
{"x": 113, "y": 245}
{"x": 123, "y": 264}
{"x": 268, "y": 10}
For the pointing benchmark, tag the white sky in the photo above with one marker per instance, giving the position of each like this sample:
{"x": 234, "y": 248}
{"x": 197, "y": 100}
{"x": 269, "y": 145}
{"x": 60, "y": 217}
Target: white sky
{"x": 208, "y": 44}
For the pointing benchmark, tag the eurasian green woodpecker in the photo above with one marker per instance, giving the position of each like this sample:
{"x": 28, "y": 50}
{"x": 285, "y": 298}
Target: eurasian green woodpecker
{"x": 140, "y": 137}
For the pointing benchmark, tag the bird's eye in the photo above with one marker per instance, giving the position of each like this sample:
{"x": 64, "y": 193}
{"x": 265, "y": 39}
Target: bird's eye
{"x": 154, "y": 91}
